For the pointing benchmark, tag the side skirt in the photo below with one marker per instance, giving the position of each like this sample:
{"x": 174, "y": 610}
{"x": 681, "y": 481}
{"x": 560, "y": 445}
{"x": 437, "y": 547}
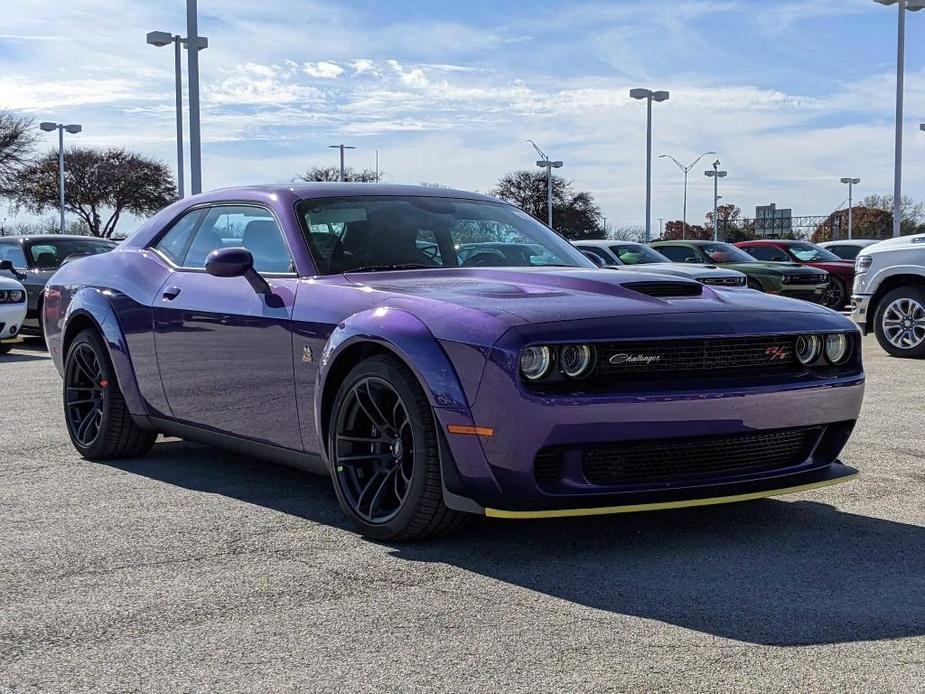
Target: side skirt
{"x": 256, "y": 449}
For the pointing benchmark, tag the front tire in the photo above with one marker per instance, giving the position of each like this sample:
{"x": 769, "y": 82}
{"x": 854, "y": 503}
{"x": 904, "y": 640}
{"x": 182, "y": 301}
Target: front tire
{"x": 384, "y": 455}
{"x": 5, "y": 347}
{"x": 899, "y": 322}
{"x": 752, "y": 283}
{"x": 97, "y": 419}
{"x": 836, "y": 296}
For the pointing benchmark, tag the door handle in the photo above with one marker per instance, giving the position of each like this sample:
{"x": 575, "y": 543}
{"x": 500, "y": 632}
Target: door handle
{"x": 171, "y": 293}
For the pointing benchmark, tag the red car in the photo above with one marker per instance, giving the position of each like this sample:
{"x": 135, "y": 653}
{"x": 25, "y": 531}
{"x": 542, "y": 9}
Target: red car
{"x": 841, "y": 272}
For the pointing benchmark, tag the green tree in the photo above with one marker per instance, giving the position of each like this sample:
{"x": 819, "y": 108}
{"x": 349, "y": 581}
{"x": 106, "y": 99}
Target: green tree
{"x": 101, "y": 185}
{"x": 574, "y": 213}
{"x": 17, "y": 140}
{"x": 910, "y": 211}
{"x": 673, "y": 229}
{"x": 331, "y": 174}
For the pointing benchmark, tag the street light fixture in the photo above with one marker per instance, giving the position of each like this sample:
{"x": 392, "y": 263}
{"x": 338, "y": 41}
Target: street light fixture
{"x": 851, "y": 183}
{"x": 73, "y": 129}
{"x": 343, "y": 175}
{"x": 549, "y": 165}
{"x": 649, "y": 96}
{"x": 685, "y": 169}
{"x": 715, "y": 173}
{"x": 912, "y": 6}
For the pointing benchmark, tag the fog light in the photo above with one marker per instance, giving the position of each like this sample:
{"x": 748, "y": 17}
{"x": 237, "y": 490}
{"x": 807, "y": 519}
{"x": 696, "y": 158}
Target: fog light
{"x": 575, "y": 360}
{"x": 808, "y": 348}
{"x": 836, "y": 348}
{"x": 535, "y": 362}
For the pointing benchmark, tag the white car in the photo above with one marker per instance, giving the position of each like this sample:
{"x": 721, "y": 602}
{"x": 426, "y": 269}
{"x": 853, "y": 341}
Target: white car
{"x": 889, "y": 294}
{"x": 617, "y": 254}
{"x": 848, "y": 249}
{"x": 12, "y": 312}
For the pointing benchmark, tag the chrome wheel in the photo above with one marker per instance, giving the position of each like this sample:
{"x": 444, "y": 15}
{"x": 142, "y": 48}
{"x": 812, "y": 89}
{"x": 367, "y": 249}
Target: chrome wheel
{"x": 374, "y": 450}
{"x": 85, "y": 394}
{"x": 903, "y": 323}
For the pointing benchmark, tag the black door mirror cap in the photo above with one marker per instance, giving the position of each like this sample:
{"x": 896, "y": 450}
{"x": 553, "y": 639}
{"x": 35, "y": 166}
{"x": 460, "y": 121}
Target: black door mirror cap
{"x": 236, "y": 262}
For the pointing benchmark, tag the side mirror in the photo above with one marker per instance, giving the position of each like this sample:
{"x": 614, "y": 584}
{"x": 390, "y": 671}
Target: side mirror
{"x": 596, "y": 259}
{"x": 236, "y": 262}
{"x": 8, "y": 266}
{"x": 692, "y": 259}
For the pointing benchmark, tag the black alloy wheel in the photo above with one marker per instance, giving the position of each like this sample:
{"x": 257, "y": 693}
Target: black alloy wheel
{"x": 97, "y": 418}
{"x": 836, "y": 296}
{"x": 384, "y": 455}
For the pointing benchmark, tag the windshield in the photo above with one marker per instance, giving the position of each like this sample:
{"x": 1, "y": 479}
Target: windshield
{"x": 48, "y": 255}
{"x": 726, "y": 253}
{"x": 402, "y": 232}
{"x": 637, "y": 254}
{"x": 808, "y": 253}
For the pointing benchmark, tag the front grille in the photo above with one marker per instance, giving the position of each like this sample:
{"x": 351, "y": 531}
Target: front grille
{"x": 804, "y": 279}
{"x": 722, "y": 358}
{"x": 684, "y": 459}
{"x": 665, "y": 288}
{"x": 724, "y": 281}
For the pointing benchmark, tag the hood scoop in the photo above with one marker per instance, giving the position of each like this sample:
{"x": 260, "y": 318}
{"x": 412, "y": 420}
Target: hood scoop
{"x": 666, "y": 289}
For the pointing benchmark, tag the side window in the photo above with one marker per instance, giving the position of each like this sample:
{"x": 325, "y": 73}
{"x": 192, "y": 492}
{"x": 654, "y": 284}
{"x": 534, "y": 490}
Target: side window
{"x": 768, "y": 253}
{"x": 679, "y": 254}
{"x": 253, "y": 228}
{"x": 13, "y": 252}
{"x": 174, "y": 243}
{"x": 845, "y": 252}
{"x": 593, "y": 250}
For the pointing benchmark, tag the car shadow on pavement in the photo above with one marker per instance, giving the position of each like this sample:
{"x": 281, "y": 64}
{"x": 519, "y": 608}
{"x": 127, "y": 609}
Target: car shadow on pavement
{"x": 767, "y": 572}
{"x": 29, "y": 349}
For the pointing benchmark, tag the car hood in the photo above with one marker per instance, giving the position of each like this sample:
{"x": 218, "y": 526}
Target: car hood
{"x": 515, "y": 296}
{"x": 769, "y": 268}
{"x": 8, "y": 283}
{"x": 685, "y": 270}
{"x": 915, "y": 241}
{"x": 836, "y": 267}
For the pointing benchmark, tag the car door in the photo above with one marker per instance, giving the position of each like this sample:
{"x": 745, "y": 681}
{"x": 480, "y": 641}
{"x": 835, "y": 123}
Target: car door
{"x": 225, "y": 352}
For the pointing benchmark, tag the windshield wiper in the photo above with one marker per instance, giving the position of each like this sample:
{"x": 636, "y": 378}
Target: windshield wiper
{"x": 399, "y": 266}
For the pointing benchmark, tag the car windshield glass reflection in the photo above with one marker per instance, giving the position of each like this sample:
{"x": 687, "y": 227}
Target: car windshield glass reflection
{"x": 808, "y": 253}
{"x": 397, "y": 233}
{"x": 726, "y": 253}
{"x": 637, "y": 254}
{"x": 48, "y": 255}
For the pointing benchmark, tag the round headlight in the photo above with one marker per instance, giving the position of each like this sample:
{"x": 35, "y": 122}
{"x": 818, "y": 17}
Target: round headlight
{"x": 535, "y": 362}
{"x": 836, "y": 347}
{"x": 17, "y": 296}
{"x": 575, "y": 360}
{"x": 3, "y": 295}
{"x": 808, "y": 348}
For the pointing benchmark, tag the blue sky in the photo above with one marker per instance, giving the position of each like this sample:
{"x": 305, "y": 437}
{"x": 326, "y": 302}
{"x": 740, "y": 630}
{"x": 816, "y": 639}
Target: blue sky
{"x": 793, "y": 95}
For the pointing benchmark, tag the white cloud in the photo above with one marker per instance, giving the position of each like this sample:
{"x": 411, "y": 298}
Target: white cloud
{"x": 323, "y": 70}
{"x": 362, "y": 65}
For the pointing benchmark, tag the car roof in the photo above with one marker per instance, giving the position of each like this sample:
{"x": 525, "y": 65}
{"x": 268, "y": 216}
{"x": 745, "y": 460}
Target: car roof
{"x": 48, "y": 238}
{"x": 337, "y": 190}
{"x": 606, "y": 242}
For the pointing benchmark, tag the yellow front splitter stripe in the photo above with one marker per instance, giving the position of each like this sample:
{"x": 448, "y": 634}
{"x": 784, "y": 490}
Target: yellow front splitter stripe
{"x": 663, "y": 505}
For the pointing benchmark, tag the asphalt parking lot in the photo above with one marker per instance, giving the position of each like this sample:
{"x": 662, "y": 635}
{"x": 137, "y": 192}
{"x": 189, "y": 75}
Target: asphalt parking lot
{"x": 193, "y": 569}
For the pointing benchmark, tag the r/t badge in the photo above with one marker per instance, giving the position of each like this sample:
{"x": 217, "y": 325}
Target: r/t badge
{"x": 307, "y": 354}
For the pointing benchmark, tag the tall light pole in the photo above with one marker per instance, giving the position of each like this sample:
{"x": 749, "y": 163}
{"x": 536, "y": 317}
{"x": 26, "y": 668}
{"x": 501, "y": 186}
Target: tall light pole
{"x": 549, "y": 165}
{"x": 851, "y": 183}
{"x": 685, "y": 169}
{"x": 194, "y": 44}
{"x": 912, "y": 6}
{"x": 161, "y": 39}
{"x": 343, "y": 171}
{"x": 73, "y": 128}
{"x": 649, "y": 96}
{"x": 715, "y": 174}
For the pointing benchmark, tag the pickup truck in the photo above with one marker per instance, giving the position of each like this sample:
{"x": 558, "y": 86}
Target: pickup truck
{"x": 888, "y": 296}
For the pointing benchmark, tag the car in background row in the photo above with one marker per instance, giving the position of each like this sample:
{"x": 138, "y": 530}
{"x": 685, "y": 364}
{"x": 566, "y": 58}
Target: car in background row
{"x": 847, "y": 250}
{"x": 889, "y": 294}
{"x": 12, "y": 312}
{"x": 617, "y": 254}
{"x": 841, "y": 272}
{"x": 34, "y": 259}
{"x": 785, "y": 279}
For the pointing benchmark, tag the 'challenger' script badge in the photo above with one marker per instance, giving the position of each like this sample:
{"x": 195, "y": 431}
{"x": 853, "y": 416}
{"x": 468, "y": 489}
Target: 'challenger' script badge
{"x": 777, "y": 353}
{"x": 635, "y": 358}
{"x": 307, "y": 354}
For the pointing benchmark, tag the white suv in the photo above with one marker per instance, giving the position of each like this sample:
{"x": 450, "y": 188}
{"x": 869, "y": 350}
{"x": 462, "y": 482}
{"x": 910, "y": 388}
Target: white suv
{"x": 889, "y": 294}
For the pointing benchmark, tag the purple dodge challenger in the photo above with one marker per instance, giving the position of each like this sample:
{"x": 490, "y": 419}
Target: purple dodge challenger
{"x": 441, "y": 354}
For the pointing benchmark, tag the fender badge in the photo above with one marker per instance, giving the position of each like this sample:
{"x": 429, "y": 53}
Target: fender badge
{"x": 307, "y": 354}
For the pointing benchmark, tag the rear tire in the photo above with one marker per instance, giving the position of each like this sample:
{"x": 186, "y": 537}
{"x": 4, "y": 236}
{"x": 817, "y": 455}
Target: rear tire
{"x": 95, "y": 414}
{"x": 384, "y": 454}
{"x": 899, "y": 322}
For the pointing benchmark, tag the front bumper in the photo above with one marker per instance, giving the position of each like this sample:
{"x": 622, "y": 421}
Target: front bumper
{"x": 11, "y": 320}
{"x": 814, "y": 293}
{"x": 860, "y": 303}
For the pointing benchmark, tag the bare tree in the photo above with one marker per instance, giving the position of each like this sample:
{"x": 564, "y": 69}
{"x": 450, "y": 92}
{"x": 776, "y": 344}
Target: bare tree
{"x": 17, "y": 140}
{"x": 331, "y": 174}
{"x": 626, "y": 233}
{"x": 101, "y": 185}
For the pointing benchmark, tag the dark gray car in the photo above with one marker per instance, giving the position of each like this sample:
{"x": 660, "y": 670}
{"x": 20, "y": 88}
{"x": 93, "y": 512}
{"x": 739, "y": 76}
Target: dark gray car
{"x": 34, "y": 259}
